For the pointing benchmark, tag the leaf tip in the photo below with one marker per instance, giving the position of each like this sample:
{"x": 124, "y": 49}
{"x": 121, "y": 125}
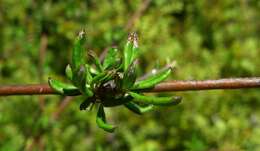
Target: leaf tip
{"x": 82, "y": 34}
{"x": 133, "y": 38}
{"x": 176, "y": 100}
{"x": 49, "y": 80}
{"x": 172, "y": 65}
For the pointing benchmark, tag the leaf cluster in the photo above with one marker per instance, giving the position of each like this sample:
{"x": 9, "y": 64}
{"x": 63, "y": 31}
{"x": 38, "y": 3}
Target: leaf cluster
{"x": 112, "y": 81}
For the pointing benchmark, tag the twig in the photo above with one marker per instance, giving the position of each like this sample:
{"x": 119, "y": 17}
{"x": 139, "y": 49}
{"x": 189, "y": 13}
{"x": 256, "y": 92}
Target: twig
{"x": 42, "y": 54}
{"x": 40, "y": 89}
{"x": 64, "y": 103}
{"x": 103, "y": 54}
{"x": 137, "y": 14}
{"x": 231, "y": 83}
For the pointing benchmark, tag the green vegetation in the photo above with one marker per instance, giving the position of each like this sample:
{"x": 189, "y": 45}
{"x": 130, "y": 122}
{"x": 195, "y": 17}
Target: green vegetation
{"x": 113, "y": 82}
{"x": 208, "y": 39}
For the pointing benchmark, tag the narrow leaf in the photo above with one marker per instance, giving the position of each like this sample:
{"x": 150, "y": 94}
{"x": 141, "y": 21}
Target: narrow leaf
{"x": 111, "y": 102}
{"x": 137, "y": 108}
{"x": 111, "y": 58}
{"x": 71, "y": 92}
{"x": 95, "y": 60}
{"x": 92, "y": 70}
{"x": 129, "y": 76}
{"x": 79, "y": 78}
{"x": 152, "y": 80}
{"x": 68, "y": 72}
{"x": 78, "y": 53}
{"x": 109, "y": 76}
{"x": 128, "y": 52}
{"x": 85, "y": 104}
{"x": 163, "y": 101}
{"x": 101, "y": 121}
{"x": 135, "y": 49}
{"x": 89, "y": 78}
{"x": 97, "y": 78}
{"x": 87, "y": 91}
{"x": 63, "y": 88}
{"x": 88, "y": 75}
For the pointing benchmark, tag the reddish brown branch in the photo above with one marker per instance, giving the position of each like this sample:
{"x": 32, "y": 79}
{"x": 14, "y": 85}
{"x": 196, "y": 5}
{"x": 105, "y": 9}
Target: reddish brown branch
{"x": 232, "y": 83}
{"x": 39, "y": 89}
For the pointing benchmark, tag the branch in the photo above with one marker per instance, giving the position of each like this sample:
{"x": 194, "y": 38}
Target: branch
{"x": 137, "y": 14}
{"x": 32, "y": 89}
{"x": 64, "y": 103}
{"x": 231, "y": 83}
{"x": 41, "y": 58}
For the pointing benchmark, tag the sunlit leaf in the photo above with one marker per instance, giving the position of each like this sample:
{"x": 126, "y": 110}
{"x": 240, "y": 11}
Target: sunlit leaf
{"x": 68, "y": 72}
{"x": 78, "y": 53}
{"x": 63, "y": 88}
{"x": 95, "y": 60}
{"x": 128, "y": 50}
{"x": 152, "y": 80}
{"x": 163, "y": 101}
{"x": 101, "y": 120}
{"x": 111, "y": 59}
{"x": 129, "y": 76}
{"x": 137, "y": 108}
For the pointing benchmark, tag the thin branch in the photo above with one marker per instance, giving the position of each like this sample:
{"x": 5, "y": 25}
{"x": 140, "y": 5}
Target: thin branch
{"x": 39, "y": 89}
{"x": 193, "y": 85}
{"x": 64, "y": 103}
{"x": 137, "y": 14}
{"x": 231, "y": 83}
{"x": 42, "y": 55}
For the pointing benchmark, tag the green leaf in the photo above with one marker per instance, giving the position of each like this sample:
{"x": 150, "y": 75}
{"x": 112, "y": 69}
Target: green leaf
{"x": 135, "y": 49}
{"x": 95, "y": 60}
{"x": 97, "y": 78}
{"x": 85, "y": 104}
{"x": 111, "y": 58}
{"x": 152, "y": 80}
{"x": 163, "y": 101}
{"x": 87, "y": 91}
{"x": 137, "y": 108}
{"x": 63, "y": 88}
{"x": 68, "y": 72}
{"x": 71, "y": 92}
{"x": 113, "y": 101}
{"x": 101, "y": 120}
{"x": 88, "y": 75}
{"x": 129, "y": 76}
{"x": 89, "y": 78}
{"x": 79, "y": 78}
{"x": 92, "y": 70}
{"x": 128, "y": 50}
{"x": 109, "y": 76}
{"x": 102, "y": 78}
{"x": 78, "y": 53}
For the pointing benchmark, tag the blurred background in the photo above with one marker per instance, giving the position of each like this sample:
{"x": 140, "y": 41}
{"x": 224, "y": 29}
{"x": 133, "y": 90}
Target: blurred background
{"x": 209, "y": 40}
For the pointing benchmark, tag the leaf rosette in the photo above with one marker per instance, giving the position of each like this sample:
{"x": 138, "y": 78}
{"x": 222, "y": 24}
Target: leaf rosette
{"x": 112, "y": 81}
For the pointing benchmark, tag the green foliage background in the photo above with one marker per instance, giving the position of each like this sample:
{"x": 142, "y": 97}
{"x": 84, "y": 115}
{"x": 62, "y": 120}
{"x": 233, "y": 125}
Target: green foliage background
{"x": 208, "y": 39}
